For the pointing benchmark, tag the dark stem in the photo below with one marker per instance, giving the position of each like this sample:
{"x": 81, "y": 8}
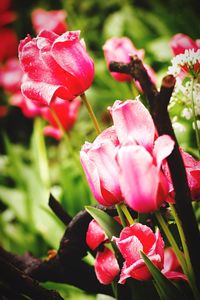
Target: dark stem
{"x": 158, "y": 103}
{"x": 25, "y": 285}
{"x": 59, "y": 210}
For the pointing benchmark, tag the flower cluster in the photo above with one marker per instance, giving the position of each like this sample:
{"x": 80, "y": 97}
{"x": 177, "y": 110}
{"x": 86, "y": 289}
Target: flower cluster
{"x": 132, "y": 240}
{"x": 131, "y": 155}
{"x": 187, "y": 56}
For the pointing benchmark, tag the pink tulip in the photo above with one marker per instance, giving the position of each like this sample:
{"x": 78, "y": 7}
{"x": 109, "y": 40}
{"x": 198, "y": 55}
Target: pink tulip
{"x": 121, "y": 50}
{"x": 66, "y": 113}
{"x": 180, "y": 42}
{"x": 11, "y": 75}
{"x": 95, "y": 235}
{"x": 133, "y": 121}
{"x": 55, "y": 66}
{"x": 106, "y": 266}
{"x": 99, "y": 164}
{"x": 172, "y": 269}
{"x": 132, "y": 241}
{"x": 140, "y": 156}
{"x": 192, "y": 168}
{"x": 53, "y": 20}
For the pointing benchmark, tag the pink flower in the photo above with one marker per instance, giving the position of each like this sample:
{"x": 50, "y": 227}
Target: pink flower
{"x": 181, "y": 42}
{"x": 132, "y": 241}
{"x": 192, "y": 168}
{"x": 11, "y": 75}
{"x": 55, "y": 66}
{"x": 100, "y": 166}
{"x": 106, "y": 266}
{"x": 95, "y": 235}
{"x": 28, "y": 108}
{"x": 53, "y": 20}
{"x": 121, "y": 50}
{"x": 9, "y": 46}
{"x": 172, "y": 269}
{"x": 66, "y": 113}
{"x": 140, "y": 156}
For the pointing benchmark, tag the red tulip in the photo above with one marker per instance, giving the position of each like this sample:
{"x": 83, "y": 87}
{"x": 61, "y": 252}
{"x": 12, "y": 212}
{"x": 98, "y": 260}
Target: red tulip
{"x": 53, "y": 20}
{"x": 6, "y": 16}
{"x": 95, "y": 235}
{"x": 55, "y": 66}
{"x": 132, "y": 241}
{"x": 106, "y": 266}
{"x": 66, "y": 113}
{"x": 3, "y": 111}
{"x": 172, "y": 269}
{"x": 8, "y": 48}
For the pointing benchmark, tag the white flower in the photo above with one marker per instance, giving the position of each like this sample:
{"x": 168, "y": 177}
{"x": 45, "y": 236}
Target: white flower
{"x": 187, "y": 60}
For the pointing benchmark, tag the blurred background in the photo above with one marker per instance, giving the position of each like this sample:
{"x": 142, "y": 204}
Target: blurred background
{"x": 31, "y": 164}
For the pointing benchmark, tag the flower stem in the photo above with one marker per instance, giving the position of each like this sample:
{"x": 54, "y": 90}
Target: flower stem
{"x": 91, "y": 113}
{"x": 194, "y": 115}
{"x": 171, "y": 241}
{"x": 41, "y": 153}
{"x": 134, "y": 89}
{"x": 127, "y": 213}
{"x": 121, "y": 214}
{"x": 186, "y": 253}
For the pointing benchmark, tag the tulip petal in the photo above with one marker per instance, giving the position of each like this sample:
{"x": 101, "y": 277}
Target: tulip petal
{"x": 173, "y": 275}
{"x": 132, "y": 119}
{"x": 163, "y": 147}
{"x": 95, "y": 235}
{"x": 106, "y": 266}
{"x": 139, "y": 178}
{"x": 53, "y": 132}
{"x": 143, "y": 233}
{"x": 42, "y": 94}
{"x": 70, "y": 54}
{"x": 138, "y": 270}
{"x": 92, "y": 176}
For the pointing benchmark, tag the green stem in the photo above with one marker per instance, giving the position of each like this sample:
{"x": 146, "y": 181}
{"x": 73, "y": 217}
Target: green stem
{"x": 121, "y": 214}
{"x": 134, "y": 89}
{"x": 127, "y": 213}
{"x": 191, "y": 275}
{"x": 171, "y": 241}
{"x": 194, "y": 115}
{"x": 91, "y": 113}
{"x": 41, "y": 152}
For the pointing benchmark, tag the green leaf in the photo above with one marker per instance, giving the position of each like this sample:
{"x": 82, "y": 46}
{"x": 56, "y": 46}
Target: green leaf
{"x": 166, "y": 289}
{"x": 108, "y": 224}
